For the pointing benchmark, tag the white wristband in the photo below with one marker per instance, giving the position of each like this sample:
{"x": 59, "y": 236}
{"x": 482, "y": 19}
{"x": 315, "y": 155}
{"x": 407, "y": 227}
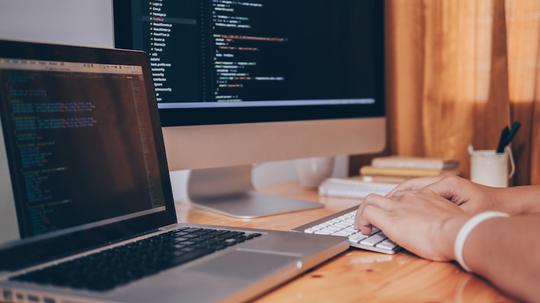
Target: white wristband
{"x": 466, "y": 230}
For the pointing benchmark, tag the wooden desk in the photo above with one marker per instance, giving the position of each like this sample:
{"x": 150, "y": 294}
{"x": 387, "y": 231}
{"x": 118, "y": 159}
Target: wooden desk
{"x": 358, "y": 275}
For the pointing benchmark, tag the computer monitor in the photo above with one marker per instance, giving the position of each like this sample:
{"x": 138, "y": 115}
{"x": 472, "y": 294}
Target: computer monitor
{"x": 242, "y": 82}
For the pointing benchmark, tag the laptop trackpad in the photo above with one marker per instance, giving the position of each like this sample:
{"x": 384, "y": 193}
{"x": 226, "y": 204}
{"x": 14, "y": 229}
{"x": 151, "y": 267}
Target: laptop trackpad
{"x": 245, "y": 264}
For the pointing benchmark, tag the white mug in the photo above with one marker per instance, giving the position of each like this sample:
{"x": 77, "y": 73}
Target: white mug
{"x": 491, "y": 168}
{"x": 313, "y": 171}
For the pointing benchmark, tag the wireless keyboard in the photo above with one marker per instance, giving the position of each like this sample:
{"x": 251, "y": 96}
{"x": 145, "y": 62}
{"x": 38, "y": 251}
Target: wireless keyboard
{"x": 342, "y": 225}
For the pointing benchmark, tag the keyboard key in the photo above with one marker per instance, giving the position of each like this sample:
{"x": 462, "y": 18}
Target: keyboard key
{"x": 317, "y": 227}
{"x": 343, "y": 233}
{"x": 342, "y": 224}
{"x": 323, "y": 232}
{"x": 357, "y": 237}
{"x": 334, "y": 228}
{"x": 387, "y": 244}
{"x": 374, "y": 239}
{"x": 351, "y": 229}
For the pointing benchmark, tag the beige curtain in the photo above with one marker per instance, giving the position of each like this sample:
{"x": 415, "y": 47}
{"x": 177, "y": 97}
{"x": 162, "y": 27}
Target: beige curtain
{"x": 458, "y": 72}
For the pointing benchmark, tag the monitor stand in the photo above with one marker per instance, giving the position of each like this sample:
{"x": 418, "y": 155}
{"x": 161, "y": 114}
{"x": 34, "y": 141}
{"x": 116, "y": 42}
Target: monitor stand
{"x": 230, "y": 191}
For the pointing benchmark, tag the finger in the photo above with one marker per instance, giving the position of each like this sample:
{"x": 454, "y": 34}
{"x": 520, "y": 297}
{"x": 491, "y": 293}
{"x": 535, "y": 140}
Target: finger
{"x": 373, "y": 216}
{"x": 375, "y": 201}
{"x": 363, "y": 226}
{"x": 414, "y": 184}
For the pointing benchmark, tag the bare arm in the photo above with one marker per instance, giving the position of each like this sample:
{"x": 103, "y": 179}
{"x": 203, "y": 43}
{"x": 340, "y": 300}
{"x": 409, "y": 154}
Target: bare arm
{"x": 476, "y": 198}
{"x": 519, "y": 200}
{"x": 507, "y": 252}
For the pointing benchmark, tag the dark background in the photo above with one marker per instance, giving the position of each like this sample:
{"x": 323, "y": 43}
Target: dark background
{"x": 111, "y": 153}
{"x": 334, "y": 50}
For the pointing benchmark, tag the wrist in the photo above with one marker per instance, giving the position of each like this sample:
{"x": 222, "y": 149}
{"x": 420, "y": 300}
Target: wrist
{"x": 504, "y": 200}
{"x": 467, "y": 229}
{"x": 528, "y": 202}
{"x": 450, "y": 229}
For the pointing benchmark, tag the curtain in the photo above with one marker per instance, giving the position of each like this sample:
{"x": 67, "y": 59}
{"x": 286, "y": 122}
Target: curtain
{"x": 458, "y": 71}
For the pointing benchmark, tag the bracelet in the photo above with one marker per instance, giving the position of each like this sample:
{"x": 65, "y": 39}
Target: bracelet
{"x": 466, "y": 230}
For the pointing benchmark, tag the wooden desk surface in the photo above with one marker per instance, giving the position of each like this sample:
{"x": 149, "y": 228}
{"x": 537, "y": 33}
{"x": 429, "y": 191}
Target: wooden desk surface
{"x": 357, "y": 275}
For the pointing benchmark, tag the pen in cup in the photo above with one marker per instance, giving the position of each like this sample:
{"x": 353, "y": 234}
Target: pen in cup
{"x": 507, "y": 135}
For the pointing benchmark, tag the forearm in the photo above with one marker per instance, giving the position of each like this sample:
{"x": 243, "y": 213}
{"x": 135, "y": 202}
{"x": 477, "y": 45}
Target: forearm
{"x": 507, "y": 252}
{"x": 519, "y": 200}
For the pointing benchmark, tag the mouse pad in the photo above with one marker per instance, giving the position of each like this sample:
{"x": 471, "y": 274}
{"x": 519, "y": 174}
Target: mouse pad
{"x": 245, "y": 264}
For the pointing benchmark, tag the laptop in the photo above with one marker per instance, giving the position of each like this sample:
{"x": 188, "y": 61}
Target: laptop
{"x": 86, "y": 207}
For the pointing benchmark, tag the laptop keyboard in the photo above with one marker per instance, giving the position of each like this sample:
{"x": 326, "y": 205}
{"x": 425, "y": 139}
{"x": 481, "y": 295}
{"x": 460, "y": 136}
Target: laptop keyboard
{"x": 121, "y": 265}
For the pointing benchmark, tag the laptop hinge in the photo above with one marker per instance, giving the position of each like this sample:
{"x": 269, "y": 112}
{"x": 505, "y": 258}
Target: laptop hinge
{"x": 169, "y": 227}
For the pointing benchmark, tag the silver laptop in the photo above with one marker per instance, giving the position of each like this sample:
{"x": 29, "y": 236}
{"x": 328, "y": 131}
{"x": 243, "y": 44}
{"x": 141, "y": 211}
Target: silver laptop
{"x": 86, "y": 208}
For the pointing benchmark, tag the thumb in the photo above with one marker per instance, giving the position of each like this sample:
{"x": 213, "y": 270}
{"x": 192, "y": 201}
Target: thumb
{"x": 449, "y": 188}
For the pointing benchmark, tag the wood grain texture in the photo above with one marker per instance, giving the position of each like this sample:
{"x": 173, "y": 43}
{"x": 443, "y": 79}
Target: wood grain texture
{"x": 457, "y": 72}
{"x": 358, "y": 275}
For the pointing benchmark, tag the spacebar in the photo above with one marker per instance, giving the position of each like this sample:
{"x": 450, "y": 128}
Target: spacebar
{"x": 190, "y": 256}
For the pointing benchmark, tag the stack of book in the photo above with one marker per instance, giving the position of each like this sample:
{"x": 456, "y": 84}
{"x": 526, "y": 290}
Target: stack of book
{"x": 396, "y": 169}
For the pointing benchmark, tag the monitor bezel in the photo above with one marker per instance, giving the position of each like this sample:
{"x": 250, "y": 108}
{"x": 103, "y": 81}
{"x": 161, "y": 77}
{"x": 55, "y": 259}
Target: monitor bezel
{"x": 34, "y": 250}
{"x": 213, "y": 116}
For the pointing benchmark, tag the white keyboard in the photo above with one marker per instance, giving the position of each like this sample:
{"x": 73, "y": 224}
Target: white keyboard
{"x": 342, "y": 225}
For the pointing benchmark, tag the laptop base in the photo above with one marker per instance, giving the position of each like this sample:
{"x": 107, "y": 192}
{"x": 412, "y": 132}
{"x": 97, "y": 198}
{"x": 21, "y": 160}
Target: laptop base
{"x": 229, "y": 191}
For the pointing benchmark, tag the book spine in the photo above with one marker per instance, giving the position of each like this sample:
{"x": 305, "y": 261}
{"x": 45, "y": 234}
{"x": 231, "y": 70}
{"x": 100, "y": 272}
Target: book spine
{"x": 403, "y": 172}
{"x": 384, "y": 179}
{"x": 414, "y": 164}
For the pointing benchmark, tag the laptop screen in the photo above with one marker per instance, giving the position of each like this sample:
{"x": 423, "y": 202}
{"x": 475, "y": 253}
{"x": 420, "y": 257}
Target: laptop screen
{"x": 77, "y": 150}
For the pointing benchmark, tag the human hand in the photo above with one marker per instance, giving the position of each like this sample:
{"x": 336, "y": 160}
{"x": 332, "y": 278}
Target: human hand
{"x": 471, "y": 197}
{"x": 420, "y": 221}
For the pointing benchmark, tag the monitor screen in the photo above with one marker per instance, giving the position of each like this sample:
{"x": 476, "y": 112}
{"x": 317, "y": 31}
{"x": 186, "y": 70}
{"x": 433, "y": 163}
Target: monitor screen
{"x": 80, "y": 146}
{"x": 222, "y": 61}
